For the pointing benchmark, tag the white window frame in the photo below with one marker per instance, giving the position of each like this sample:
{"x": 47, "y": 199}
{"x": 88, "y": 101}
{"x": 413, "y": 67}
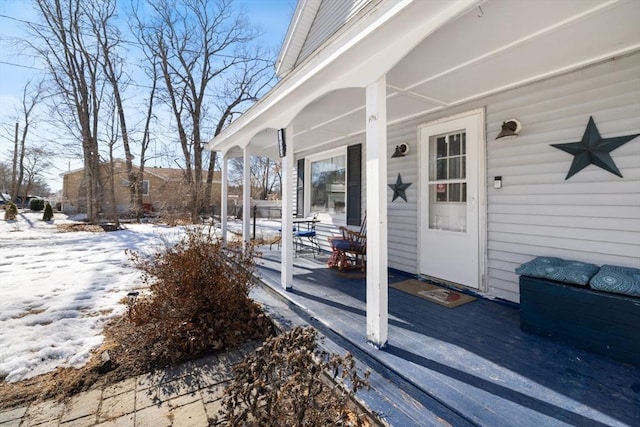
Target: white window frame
{"x": 148, "y": 184}
{"x": 324, "y": 216}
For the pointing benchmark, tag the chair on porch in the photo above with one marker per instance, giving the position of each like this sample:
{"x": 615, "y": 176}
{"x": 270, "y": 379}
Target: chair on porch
{"x": 349, "y": 250}
{"x": 309, "y": 236}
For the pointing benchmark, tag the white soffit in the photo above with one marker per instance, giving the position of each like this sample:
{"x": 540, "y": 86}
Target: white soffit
{"x": 533, "y": 45}
{"x": 496, "y": 46}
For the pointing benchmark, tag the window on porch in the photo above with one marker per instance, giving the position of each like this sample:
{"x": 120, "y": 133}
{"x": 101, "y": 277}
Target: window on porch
{"x": 333, "y": 188}
{"x": 327, "y": 186}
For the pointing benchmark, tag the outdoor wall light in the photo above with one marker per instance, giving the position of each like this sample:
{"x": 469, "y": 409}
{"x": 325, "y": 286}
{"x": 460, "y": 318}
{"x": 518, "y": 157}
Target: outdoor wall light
{"x": 510, "y": 128}
{"x": 401, "y": 150}
{"x": 282, "y": 143}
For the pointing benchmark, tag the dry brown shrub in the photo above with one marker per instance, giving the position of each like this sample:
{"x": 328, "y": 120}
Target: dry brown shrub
{"x": 199, "y": 298}
{"x": 79, "y": 227}
{"x": 288, "y": 382}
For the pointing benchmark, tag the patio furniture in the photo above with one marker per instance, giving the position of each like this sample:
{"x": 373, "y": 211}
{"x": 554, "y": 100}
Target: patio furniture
{"x": 557, "y": 302}
{"x": 349, "y": 250}
{"x": 306, "y": 237}
{"x": 302, "y": 236}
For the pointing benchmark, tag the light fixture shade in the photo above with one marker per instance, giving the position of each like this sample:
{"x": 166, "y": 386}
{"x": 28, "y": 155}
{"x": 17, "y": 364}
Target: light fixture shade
{"x": 510, "y": 129}
{"x": 401, "y": 150}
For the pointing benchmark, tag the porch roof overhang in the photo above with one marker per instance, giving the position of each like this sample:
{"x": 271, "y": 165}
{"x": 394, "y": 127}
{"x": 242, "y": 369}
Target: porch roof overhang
{"x": 435, "y": 55}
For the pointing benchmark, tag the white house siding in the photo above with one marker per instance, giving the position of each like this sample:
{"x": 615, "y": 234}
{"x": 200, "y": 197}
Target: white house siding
{"x": 594, "y": 216}
{"x": 331, "y": 16}
{"x": 402, "y": 216}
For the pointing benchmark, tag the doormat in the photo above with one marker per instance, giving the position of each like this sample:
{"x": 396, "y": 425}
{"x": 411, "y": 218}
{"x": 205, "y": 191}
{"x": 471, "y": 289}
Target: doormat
{"x": 443, "y": 296}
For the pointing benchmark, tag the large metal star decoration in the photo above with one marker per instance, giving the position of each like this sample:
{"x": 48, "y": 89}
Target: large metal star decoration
{"x": 593, "y": 149}
{"x": 398, "y": 189}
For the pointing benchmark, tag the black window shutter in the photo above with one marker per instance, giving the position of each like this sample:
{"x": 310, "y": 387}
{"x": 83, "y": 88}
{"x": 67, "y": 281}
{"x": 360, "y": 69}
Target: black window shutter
{"x": 300, "y": 190}
{"x": 354, "y": 184}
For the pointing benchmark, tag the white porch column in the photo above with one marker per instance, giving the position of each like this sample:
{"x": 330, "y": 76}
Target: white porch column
{"x": 246, "y": 195}
{"x": 376, "y": 175}
{"x": 224, "y": 196}
{"x": 286, "y": 262}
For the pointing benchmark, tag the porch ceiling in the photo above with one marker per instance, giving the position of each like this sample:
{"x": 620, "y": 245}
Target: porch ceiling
{"x": 482, "y": 50}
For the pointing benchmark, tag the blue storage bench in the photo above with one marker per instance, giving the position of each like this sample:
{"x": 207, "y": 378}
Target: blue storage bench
{"x": 569, "y": 310}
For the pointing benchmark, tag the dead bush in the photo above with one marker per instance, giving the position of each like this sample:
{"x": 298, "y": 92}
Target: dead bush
{"x": 287, "y": 382}
{"x": 199, "y": 299}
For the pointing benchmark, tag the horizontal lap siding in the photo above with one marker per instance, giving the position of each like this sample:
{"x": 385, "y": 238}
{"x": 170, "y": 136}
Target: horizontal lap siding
{"x": 402, "y": 218}
{"x": 594, "y": 216}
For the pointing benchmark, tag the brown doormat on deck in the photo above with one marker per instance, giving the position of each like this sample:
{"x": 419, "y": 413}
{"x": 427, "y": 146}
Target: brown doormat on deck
{"x": 443, "y": 296}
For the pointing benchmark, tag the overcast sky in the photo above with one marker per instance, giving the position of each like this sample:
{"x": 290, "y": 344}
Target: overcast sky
{"x": 17, "y": 69}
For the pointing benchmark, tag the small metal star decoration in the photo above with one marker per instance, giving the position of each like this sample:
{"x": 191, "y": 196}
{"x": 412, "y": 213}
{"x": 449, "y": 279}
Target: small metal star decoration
{"x": 398, "y": 189}
{"x": 593, "y": 149}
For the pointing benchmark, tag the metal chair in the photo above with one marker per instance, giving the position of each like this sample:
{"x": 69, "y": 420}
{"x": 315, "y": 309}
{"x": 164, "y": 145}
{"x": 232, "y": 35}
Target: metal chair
{"x": 309, "y": 234}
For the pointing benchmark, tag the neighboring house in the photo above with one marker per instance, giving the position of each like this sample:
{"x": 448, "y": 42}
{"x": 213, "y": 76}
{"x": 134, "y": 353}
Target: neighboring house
{"x": 163, "y": 189}
{"x": 434, "y": 81}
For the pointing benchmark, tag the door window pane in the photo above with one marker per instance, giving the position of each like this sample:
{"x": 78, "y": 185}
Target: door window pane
{"x": 447, "y": 186}
{"x": 449, "y": 216}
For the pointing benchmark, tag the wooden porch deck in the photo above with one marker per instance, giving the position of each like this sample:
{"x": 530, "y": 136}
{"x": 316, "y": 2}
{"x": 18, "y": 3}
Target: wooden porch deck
{"x": 470, "y": 365}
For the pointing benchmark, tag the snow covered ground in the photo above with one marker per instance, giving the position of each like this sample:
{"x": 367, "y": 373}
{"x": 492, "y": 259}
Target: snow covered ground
{"x": 57, "y": 289}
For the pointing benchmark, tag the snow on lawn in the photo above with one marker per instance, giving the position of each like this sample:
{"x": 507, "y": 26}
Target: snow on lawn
{"x": 57, "y": 289}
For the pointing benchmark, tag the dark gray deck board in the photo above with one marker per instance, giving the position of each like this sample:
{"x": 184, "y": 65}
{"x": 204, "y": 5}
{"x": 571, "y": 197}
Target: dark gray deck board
{"x": 473, "y": 359}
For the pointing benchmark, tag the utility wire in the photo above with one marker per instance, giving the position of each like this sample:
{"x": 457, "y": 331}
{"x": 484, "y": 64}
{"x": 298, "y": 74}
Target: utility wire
{"x": 20, "y": 65}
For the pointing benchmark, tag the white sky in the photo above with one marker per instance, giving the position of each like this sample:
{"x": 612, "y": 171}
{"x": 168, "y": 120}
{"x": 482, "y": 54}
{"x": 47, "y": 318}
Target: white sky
{"x": 57, "y": 289}
{"x": 17, "y": 69}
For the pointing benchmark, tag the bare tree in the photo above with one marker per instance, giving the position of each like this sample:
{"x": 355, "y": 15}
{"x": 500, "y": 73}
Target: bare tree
{"x": 146, "y": 133}
{"x": 200, "y": 46}
{"x": 75, "y": 70}
{"x": 36, "y": 160}
{"x": 100, "y": 15}
{"x": 265, "y": 175}
{"x": 5, "y": 175}
{"x": 31, "y": 97}
{"x": 248, "y": 82}
{"x": 112, "y": 139}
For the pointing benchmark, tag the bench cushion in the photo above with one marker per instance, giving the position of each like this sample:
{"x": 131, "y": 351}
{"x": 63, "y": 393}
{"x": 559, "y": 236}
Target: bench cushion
{"x": 558, "y": 269}
{"x": 307, "y": 233}
{"x": 346, "y": 245}
{"x": 620, "y": 280}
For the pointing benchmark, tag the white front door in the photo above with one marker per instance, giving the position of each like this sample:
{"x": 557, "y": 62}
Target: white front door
{"x": 449, "y": 199}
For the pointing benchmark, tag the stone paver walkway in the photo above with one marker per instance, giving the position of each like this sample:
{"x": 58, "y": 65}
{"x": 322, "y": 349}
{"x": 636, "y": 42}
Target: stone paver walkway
{"x": 186, "y": 395}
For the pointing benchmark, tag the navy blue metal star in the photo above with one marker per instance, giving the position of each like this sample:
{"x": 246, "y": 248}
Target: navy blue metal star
{"x": 593, "y": 149}
{"x": 398, "y": 189}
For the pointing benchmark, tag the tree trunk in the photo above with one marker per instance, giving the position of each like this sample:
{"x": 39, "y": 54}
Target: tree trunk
{"x": 14, "y": 166}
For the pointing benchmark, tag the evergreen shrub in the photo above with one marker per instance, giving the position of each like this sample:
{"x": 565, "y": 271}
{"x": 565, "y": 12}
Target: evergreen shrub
{"x": 48, "y": 213}
{"x": 36, "y": 205}
{"x": 10, "y": 212}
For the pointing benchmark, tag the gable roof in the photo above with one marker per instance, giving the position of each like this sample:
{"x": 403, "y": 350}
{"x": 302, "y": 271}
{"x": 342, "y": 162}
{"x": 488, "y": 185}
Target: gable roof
{"x": 314, "y": 22}
{"x": 299, "y": 27}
